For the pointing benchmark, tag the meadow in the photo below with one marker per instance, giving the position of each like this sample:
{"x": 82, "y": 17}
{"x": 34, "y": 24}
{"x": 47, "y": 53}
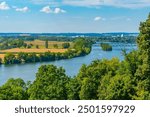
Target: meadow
{"x": 37, "y": 46}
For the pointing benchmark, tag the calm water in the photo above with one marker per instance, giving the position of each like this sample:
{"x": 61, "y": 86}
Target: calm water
{"x": 72, "y": 66}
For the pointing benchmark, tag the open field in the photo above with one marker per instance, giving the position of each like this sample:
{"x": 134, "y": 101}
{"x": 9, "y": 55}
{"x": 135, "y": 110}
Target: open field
{"x": 2, "y": 56}
{"x": 41, "y": 49}
{"x": 41, "y": 44}
{"x": 16, "y": 50}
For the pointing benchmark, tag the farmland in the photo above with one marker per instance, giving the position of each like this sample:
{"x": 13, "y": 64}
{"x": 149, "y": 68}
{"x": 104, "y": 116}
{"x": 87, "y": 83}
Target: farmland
{"x": 37, "y": 46}
{"x": 16, "y": 50}
{"x": 2, "y": 56}
{"x": 41, "y": 44}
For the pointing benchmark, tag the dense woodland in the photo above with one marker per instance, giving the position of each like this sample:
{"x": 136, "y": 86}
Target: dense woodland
{"x": 102, "y": 79}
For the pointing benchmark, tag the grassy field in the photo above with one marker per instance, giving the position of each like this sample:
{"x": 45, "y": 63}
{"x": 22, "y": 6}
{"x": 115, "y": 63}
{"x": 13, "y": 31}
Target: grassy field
{"x": 16, "y": 50}
{"x": 41, "y": 44}
{"x": 41, "y": 48}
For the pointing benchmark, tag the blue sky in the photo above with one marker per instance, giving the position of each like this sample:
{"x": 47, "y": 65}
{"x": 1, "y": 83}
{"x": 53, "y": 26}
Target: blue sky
{"x": 54, "y": 16}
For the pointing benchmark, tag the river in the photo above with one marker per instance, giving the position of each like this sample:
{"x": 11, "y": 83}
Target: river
{"x": 72, "y": 66}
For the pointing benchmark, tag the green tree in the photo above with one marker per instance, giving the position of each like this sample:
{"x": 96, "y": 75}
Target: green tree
{"x": 88, "y": 89}
{"x": 65, "y": 45}
{"x": 73, "y": 88}
{"x": 90, "y": 77}
{"x": 106, "y": 47}
{"x": 55, "y": 45}
{"x": 46, "y": 44}
{"x": 37, "y": 46}
{"x": 14, "y": 89}
{"x": 22, "y": 57}
{"x": 0, "y": 61}
{"x": 10, "y": 59}
{"x": 50, "y": 83}
{"x": 143, "y": 71}
{"x": 118, "y": 87}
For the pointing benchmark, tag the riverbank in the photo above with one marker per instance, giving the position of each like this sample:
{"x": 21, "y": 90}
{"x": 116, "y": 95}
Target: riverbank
{"x": 28, "y": 71}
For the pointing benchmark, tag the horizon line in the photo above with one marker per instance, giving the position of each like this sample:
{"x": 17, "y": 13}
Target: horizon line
{"x": 64, "y": 32}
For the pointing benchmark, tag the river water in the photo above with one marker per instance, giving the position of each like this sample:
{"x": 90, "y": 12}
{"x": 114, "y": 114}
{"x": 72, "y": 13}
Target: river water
{"x": 72, "y": 66}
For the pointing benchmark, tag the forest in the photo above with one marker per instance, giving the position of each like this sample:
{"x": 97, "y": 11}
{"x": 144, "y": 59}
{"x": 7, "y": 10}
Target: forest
{"x": 101, "y": 80}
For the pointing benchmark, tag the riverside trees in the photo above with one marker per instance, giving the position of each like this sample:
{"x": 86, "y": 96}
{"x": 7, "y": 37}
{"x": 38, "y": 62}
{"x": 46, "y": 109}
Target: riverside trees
{"x": 102, "y": 79}
{"x": 81, "y": 47}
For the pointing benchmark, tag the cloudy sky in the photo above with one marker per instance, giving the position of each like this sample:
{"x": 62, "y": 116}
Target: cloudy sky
{"x": 72, "y": 15}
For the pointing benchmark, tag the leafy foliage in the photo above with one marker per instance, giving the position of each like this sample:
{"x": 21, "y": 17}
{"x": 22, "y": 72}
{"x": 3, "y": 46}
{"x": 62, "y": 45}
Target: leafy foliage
{"x": 50, "y": 83}
{"x": 0, "y": 61}
{"x": 46, "y": 44}
{"x": 66, "y": 45}
{"x": 11, "y": 43}
{"x": 14, "y": 89}
{"x": 106, "y": 47}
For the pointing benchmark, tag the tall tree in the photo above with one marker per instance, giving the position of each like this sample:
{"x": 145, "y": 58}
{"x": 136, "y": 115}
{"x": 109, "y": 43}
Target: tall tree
{"x": 14, "y": 89}
{"x": 143, "y": 71}
{"x": 46, "y": 44}
{"x": 50, "y": 83}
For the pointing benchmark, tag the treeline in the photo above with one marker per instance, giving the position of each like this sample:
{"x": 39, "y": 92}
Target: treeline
{"x": 102, "y": 79}
{"x": 81, "y": 47}
{"x": 124, "y": 39}
{"x": 110, "y": 38}
{"x": 106, "y": 46}
{"x": 11, "y": 43}
{"x": 32, "y": 38}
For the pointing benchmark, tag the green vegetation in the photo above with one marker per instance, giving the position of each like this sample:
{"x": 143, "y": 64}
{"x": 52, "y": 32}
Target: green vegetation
{"x": 55, "y": 45}
{"x": 102, "y": 79}
{"x": 0, "y": 61}
{"x": 46, "y": 44}
{"x": 106, "y": 47}
{"x": 37, "y": 46}
{"x": 14, "y": 89}
{"x": 66, "y": 45}
{"x": 49, "y": 79}
{"x": 82, "y": 47}
{"x": 12, "y": 43}
{"x": 10, "y": 59}
{"x": 124, "y": 39}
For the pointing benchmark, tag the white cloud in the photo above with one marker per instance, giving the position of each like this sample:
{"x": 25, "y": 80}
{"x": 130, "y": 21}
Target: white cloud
{"x": 99, "y": 18}
{"x": 47, "y": 9}
{"x": 4, "y": 6}
{"x": 115, "y": 3}
{"x": 24, "y": 9}
{"x": 58, "y": 10}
